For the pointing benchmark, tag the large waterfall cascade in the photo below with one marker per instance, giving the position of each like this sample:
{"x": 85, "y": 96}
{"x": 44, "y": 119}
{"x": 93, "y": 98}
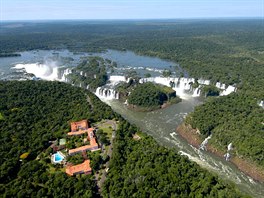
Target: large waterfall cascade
{"x": 106, "y": 93}
{"x": 64, "y": 74}
{"x": 182, "y": 85}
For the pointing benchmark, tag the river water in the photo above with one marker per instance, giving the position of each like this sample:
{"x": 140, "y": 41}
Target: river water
{"x": 160, "y": 124}
{"x": 43, "y": 63}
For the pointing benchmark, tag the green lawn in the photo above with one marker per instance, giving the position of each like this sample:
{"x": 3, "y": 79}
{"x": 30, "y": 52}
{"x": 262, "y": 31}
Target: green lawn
{"x": 107, "y": 130}
{"x": 106, "y": 127}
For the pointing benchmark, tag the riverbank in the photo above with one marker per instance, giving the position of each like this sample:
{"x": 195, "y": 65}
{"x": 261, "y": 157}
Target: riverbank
{"x": 192, "y": 137}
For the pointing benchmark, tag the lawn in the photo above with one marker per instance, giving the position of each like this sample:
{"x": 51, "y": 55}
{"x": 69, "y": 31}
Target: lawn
{"x": 106, "y": 127}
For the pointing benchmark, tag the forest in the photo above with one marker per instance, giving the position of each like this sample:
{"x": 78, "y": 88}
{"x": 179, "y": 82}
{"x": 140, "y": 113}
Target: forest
{"x": 236, "y": 119}
{"x": 35, "y": 112}
{"x": 142, "y": 168}
{"x": 91, "y": 71}
{"x": 151, "y": 96}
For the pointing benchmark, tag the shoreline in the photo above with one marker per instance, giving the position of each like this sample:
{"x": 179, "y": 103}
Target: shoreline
{"x": 192, "y": 137}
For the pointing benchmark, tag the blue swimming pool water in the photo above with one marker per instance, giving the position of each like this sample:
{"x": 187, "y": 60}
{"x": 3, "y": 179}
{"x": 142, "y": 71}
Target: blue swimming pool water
{"x": 58, "y": 157}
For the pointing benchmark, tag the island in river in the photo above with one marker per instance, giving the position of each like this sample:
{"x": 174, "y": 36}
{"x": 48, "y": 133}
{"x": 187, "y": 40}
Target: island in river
{"x": 147, "y": 96}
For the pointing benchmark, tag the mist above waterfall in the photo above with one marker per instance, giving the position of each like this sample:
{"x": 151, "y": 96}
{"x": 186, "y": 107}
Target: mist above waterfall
{"x": 46, "y": 71}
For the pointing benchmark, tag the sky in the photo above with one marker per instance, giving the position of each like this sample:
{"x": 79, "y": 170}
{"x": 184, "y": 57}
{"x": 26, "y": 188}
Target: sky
{"x": 128, "y": 9}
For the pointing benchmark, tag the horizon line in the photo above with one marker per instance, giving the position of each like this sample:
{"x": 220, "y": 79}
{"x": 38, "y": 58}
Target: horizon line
{"x": 133, "y": 19}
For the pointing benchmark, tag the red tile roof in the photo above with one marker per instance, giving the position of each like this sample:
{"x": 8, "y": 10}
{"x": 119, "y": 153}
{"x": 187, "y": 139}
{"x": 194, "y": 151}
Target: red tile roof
{"x": 80, "y": 132}
{"x": 80, "y": 168}
{"x": 81, "y": 125}
{"x": 84, "y": 148}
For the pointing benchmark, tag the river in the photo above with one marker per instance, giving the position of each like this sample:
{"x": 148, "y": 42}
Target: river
{"x": 161, "y": 125}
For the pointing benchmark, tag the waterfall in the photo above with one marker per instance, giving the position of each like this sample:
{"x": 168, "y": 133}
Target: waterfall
{"x": 47, "y": 71}
{"x": 182, "y": 86}
{"x": 227, "y": 156}
{"x": 220, "y": 85}
{"x": 261, "y": 104}
{"x": 229, "y": 147}
{"x": 204, "y": 143}
{"x": 106, "y": 93}
{"x": 204, "y": 82}
{"x": 65, "y": 72}
{"x": 196, "y": 92}
{"x": 228, "y": 90}
{"x": 115, "y": 79}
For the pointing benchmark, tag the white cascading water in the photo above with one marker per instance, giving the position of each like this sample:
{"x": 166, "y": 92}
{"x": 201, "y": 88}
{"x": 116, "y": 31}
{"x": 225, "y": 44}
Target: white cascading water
{"x": 106, "y": 93}
{"x": 197, "y": 92}
{"x": 182, "y": 85}
{"x": 228, "y": 90}
{"x": 205, "y": 142}
{"x": 117, "y": 79}
{"x": 261, "y": 104}
{"x": 64, "y": 74}
{"x": 220, "y": 85}
{"x": 227, "y": 156}
{"x": 45, "y": 71}
{"x": 204, "y": 82}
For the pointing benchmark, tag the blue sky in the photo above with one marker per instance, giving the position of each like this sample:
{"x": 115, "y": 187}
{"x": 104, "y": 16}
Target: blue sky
{"x": 128, "y": 9}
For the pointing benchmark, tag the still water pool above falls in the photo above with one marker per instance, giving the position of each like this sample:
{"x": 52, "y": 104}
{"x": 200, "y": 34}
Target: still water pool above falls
{"x": 161, "y": 125}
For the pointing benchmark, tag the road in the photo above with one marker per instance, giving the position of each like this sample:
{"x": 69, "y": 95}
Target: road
{"x": 109, "y": 153}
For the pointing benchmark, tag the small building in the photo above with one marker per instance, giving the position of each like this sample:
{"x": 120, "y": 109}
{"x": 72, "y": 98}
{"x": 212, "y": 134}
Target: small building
{"x": 83, "y": 168}
{"x": 80, "y": 132}
{"x": 62, "y": 142}
{"x": 92, "y": 147}
{"x": 81, "y": 125}
{"x": 90, "y": 137}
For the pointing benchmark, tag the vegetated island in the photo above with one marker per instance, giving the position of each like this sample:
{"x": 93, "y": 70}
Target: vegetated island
{"x": 91, "y": 72}
{"x": 235, "y": 120}
{"x": 35, "y": 112}
{"x": 149, "y": 96}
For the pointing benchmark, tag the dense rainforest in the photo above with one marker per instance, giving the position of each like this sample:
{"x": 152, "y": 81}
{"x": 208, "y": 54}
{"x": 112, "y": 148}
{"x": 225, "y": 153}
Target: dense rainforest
{"x": 236, "y": 119}
{"x": 151, "y": 96}
{"x": 35, "y": 112}
{"x": 90, "y": 72}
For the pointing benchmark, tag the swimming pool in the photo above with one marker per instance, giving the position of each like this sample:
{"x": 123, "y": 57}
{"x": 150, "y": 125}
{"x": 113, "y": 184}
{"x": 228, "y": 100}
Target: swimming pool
{"x": 57, "y": 157}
